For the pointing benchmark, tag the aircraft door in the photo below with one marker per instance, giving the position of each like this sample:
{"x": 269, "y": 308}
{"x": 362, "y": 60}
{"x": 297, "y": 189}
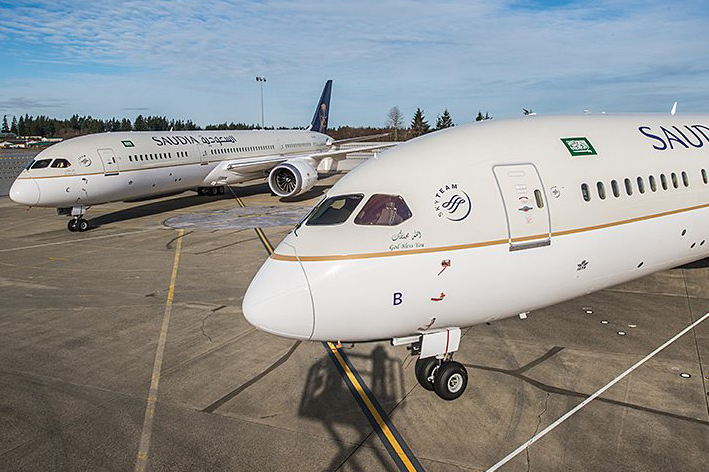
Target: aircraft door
{"x": 203, "y": 153}
{"x": 525, "y": 203}
{"x": 109, "y": 160}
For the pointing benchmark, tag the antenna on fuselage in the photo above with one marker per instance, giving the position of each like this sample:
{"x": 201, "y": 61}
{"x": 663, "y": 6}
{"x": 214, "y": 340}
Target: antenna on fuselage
{"x": 674, "y": 109}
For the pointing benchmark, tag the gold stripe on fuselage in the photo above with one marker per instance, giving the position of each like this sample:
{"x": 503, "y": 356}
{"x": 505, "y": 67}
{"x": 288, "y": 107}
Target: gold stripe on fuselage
{"x": 408, "y": 252}
{"x": 118, "y": 172}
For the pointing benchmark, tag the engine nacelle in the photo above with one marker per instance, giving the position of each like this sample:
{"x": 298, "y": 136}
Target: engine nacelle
{"x": 293, "y": 177}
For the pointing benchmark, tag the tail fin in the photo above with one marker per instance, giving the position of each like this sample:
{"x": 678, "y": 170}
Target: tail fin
{"x": 319, "y": 123}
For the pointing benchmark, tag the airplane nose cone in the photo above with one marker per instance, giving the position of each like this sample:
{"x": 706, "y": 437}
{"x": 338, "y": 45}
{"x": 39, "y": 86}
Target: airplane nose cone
{"x": 278, "y": 300}
{"x": 25, "y": 192}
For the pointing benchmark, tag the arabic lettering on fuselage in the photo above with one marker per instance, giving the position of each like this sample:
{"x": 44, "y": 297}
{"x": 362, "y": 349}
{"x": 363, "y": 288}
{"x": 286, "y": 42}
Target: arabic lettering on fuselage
{"x": 682, "y": 137}
{"x": 176, "y": 140}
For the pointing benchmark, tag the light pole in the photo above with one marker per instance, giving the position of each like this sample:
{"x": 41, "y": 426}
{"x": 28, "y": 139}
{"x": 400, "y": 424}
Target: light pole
{"x": 261, "y": 80}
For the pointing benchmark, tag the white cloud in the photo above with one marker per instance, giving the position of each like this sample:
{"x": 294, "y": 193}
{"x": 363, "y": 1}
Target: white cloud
{"x": 182, "y": 57}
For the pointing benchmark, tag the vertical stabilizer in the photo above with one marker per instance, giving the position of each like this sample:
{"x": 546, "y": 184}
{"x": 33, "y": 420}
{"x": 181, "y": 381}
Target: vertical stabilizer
{"x": 322, "y": 111}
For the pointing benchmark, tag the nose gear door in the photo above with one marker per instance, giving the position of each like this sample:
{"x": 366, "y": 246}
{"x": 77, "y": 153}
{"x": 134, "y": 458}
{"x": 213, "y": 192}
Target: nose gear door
{"x": 110, "y": 163}
{"x": 526, "y": 208}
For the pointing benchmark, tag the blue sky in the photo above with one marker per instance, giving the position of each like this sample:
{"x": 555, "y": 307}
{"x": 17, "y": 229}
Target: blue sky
{"x": 198, "y": 59}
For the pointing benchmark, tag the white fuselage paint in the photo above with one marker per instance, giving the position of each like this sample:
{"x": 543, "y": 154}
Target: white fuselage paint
{"x": 155, "y": 163}
{"x": 340, "y": 282}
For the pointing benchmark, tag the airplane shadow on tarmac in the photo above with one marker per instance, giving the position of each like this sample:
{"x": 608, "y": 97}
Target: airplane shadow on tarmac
{"x": 700, "y": 264}
{"x": 327, "y": 399}
{"x": 188, "y": 201}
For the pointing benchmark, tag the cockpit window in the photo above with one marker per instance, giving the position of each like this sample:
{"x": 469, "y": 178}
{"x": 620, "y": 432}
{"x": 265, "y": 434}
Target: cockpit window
{"x": 334, "y": 210}
{"x": 41, "y": 164}
{"x": 383, "y": 210}
{"x": 61, "y": 163}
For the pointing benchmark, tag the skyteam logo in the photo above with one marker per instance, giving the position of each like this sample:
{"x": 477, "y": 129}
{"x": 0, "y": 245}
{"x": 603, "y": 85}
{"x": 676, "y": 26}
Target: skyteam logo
{"x": 452, "y": 203}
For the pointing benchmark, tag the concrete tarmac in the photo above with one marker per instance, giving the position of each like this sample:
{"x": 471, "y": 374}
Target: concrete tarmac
{"x": 81, "y": 314}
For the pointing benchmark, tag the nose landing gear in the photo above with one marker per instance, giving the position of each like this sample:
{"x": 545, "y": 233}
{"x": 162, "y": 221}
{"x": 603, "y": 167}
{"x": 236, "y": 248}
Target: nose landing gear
{"x": 77, "y": 221}
{"x": 435, "y": 370}
{"x": 77, "y": 224}
{"x": 445, "y": 377}
{"x": 211, "y": 191}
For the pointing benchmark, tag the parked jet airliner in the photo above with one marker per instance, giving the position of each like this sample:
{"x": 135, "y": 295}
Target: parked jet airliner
{"x": 487, "y": 221}
{"x": 107, "y": 167}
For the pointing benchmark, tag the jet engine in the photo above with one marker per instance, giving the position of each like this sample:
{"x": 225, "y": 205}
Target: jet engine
{"x": 293, "y": 177}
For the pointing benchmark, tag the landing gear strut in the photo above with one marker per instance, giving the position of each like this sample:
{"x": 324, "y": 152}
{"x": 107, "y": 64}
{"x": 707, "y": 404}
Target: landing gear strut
{"x": 435, "y": 369}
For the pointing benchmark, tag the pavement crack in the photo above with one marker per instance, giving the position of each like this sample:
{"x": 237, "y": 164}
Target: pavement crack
{"x": 211, "y": 408}
{"x": 204, "y": 320}
{"x": 536, "y": 430}
{"x": 169, "y": 243}
{"x": 572, "y": 393}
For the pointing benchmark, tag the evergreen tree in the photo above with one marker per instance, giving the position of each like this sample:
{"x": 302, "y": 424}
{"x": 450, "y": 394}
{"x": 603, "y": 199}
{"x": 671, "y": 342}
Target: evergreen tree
{"x": 5, "y": 126}
{"x": 419, "y": 125}
{"x": 482, "y": 117}
{"x": 13, "y": 127}
{"x": 139, "y": 124}
{"x": 444, "y": 120}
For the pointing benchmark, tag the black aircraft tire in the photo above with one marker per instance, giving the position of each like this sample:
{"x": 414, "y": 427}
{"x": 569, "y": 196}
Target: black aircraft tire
{"x": 71, "y": 225}
{"x": 451, "y": 380}
{"x": 82, "y": 225}
{"x": 424, "y": 368}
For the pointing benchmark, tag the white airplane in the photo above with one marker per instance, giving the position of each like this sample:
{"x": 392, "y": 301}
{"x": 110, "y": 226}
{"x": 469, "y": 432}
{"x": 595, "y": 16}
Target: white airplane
{"x": 89, "y": 170}
{"x": 483, "y": 222}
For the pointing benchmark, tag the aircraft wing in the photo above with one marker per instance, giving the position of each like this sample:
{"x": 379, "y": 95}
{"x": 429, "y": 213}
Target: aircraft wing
{"x": 256, "y": 164}
{"x": 341, "y": 153}
{"x": 360, "y": 138}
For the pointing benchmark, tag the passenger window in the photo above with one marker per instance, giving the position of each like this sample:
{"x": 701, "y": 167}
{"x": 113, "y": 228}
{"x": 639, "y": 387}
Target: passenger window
{"x": 628, "y": 187}
{"x": 663, "y": 180}
{"x": 41, "y": 164}
{"x": 584, "y": 192}
{"x": 540, "y": 200}
{"x": 383, "y": 210}
{"x": 616, "y": 190}
{"x": 675, "y": 183}
{"x": 704, "y": 176}
{"x": 601, "y": 190}
{"x": 334, "y": 210}
{"x": 641, "y": 185}
{"x": 685, "y": 179}
{"x": 653, "y": 183}
{"x": 60, "y": 163}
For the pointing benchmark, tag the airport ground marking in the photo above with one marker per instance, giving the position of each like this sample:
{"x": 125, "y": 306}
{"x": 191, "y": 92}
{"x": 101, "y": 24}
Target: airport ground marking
{"x": 34, "y": 246}
{"x": 375, "y": 414}
{"x": 380, "y": 421}
{"x": 141, "y": 460}
{"x": 599, "y": 392}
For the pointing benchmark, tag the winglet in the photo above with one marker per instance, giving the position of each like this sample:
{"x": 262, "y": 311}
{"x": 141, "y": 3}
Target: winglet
{"x": 319, "y": 123}
{"x": 674, "y": 109}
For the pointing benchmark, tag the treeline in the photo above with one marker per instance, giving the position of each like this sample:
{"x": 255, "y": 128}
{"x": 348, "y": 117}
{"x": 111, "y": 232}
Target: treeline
{"x": 28, "y": 125}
